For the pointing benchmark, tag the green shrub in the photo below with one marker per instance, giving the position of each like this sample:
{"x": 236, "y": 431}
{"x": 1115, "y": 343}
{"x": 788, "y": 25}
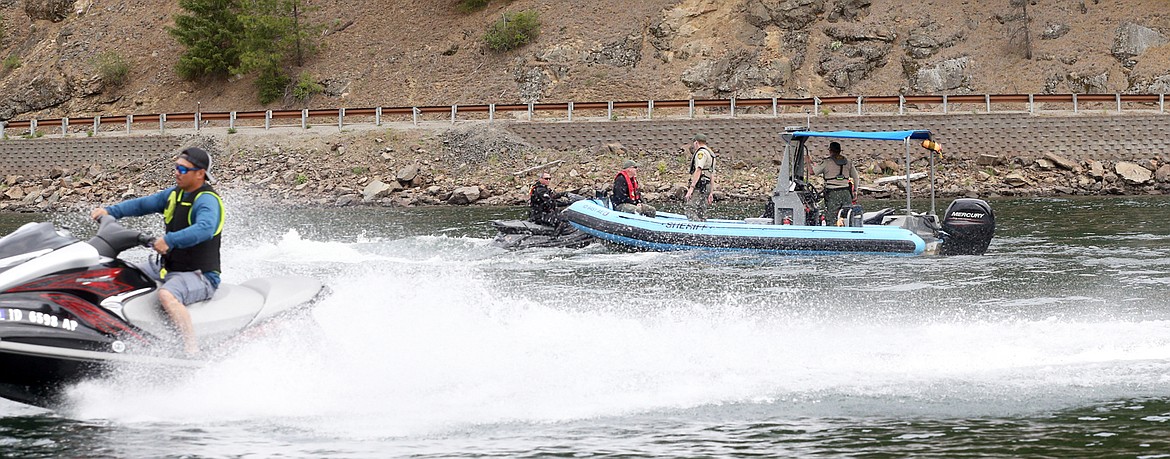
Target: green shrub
{"x": 306, "y": 87}
{"x": 468, "y": 6}
{"x": 513, "y": 31}
{"x": 231, "y": 130}
{"x": 12, "y": 62}
{"x": 270, "y": 85}
{"x": 112, "y": 68}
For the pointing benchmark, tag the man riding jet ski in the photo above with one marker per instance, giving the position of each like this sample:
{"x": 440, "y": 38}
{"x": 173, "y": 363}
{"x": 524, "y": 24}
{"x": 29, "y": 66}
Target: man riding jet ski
{"x": 71, "y": 309}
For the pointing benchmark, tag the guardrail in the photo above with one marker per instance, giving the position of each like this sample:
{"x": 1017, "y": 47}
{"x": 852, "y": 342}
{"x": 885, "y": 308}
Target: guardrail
{"x": 732, "y": 107}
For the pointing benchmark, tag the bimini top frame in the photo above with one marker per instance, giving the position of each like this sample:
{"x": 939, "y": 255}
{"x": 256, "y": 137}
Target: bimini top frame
{"x": 904, "y": 136}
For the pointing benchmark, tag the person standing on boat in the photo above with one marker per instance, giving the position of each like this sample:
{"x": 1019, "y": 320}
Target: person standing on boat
{"x": 701, "y": 184}
{"x": 193, "y": 213}
{"x": 543, "y": 202}
{"x": 627, "y": 194}
{"x": 840, "y": 180}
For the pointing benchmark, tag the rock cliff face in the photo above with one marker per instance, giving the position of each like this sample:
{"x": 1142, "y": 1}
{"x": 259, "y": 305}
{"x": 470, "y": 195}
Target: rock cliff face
{"x": 421, "y": 52}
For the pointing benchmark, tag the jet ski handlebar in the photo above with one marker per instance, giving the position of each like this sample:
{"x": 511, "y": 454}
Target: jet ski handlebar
{"x": 112, "y": 238}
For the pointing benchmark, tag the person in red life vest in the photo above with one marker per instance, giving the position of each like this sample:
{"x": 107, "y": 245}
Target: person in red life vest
{"x": 193, "y": 213}
{"x": 627, "y": 195}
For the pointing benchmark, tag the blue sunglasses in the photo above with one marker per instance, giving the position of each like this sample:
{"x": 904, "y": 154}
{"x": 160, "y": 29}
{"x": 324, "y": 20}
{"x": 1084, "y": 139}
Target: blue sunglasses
{"x": 184, "y": 169}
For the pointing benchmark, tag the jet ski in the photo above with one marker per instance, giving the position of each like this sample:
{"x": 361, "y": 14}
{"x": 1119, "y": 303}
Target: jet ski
{"x": 526, "y": 234}
{"x": 71, "y": 310}
{"x": 523, "y": 234}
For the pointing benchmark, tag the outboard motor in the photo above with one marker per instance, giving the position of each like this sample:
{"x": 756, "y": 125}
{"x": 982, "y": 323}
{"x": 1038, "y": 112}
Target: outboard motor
{"x": 968, "y": 226}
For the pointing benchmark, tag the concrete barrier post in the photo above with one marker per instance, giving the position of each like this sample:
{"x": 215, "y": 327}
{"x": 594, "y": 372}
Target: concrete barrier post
{"x": 945, "y": 107}
{"x": 530, "y": 107}
{"x": 198, "y": 121}
{"x": 414, "y": 114}
{"x": 3, "y": 126}
{"x": 454, "y": 109}
{"x": 491, "y": 112}
{"x": 162, "y": 123}
{"x": 1031, "y": 104}
{"x": 609, "y": 111}
{"x": 987, "y": 102}
{"x": 858, "y": 105}
{"x": 267, "y": 119}
{"x": 1161, "y": 103}
{"x": 97, "y": 123}
{"x": 64, "y": 126}
{"x": 691, "y": 109}
{"x": 232, "y": 120}
{"x": 650, "y": 110}
{"x": 32, "y": 127}
{"x": 570, "y": 110}
{"x": 732, "y": 104}
{"x": 1075, "y": 102}
{"x": 340, "y": 118}
{"x": 1118, "y": 97}
{"x": 304, "y": 118}
{"x": 378, "y": 116}
{"x": 129, "y": 122}
{"x": 901, "y": 104}
{"x": 816, "y": 106}
{"x": 775, "y": 113}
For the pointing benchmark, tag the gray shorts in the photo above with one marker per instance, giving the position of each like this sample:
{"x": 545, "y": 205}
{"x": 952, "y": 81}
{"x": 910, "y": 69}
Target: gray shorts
{"x": 188, "y": 286}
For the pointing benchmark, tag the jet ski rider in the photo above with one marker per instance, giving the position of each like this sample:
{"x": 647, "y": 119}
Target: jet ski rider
{"x": 190, "y": 250}
{"x": 543, "y": 202}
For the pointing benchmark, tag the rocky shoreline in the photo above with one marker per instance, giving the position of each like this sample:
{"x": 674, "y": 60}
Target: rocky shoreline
{"x": 478, "y": 164}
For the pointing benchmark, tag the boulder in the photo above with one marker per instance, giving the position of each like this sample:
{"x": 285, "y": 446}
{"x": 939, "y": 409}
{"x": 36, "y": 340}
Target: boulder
{"x": 1064, "y": 163}
{"x": 1162, "y": 175}
{"x": 1132, "y": 40}
{"x": 1132, "y": 173}
{"x": 48, "y": 10}
{"x": 408, "y": 173}
{"x": 464, "y": 195}
{"x": 985, "y": 159}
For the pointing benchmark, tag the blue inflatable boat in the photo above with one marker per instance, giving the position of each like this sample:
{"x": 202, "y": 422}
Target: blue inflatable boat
{"x": 794, "y": 222}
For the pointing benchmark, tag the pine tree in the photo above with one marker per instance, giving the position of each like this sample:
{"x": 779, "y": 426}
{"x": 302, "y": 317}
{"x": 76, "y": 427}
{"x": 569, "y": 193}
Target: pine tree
{"x": 274, "y": 33}
{"x": 210, "y": 32}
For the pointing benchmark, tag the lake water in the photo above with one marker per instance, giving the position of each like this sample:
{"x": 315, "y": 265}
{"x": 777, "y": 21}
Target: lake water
{"x": 434, "y": 343}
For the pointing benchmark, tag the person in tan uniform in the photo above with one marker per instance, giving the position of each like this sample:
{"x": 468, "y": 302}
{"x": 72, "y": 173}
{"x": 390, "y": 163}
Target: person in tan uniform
{"x": 701, "y": 183}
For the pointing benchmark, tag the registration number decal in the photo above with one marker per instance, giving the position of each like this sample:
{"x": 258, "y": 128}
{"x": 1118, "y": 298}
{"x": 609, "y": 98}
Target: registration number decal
{"x": 37, "y": 317}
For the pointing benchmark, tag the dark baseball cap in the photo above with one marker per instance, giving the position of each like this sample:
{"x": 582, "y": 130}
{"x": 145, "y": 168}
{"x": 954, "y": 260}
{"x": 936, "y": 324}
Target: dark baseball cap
{"x": 198, "y": 158}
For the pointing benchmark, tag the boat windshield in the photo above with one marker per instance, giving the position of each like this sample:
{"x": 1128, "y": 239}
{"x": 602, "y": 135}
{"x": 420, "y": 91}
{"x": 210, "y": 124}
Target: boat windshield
{"x": 32, "y": 237}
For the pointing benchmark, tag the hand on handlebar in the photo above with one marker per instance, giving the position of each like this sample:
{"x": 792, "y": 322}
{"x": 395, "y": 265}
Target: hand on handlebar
{"x": 160, "y": 245}
{"x": 98, "y": 213}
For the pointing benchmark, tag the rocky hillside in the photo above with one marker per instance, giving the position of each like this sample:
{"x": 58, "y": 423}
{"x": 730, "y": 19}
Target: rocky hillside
{"x": 426, "y": 52}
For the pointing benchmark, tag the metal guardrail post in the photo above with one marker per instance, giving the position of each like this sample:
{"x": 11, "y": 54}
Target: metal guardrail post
{"x": 304, "y": 119}
{"x": 901, "y": 104}
{"x": 378, "y": 116}
{"x": 650, "y": 110}
{"x": 1161, "y": 103}
{"x": 1031, "y": 104}
{"x": 97, "y": 123}
{"x": 530, "y": 108}
{"x": 129, "y": 121}
{"x": 454, "y": 108}
{"x": 774, "y": 112}
{"x": 340, "y": 118}
{"x": 570, "y": 110}
{"x": 162, "y": 123}
{"x": 609, "y": 111}
{"x": 3, "y": 126}
{"x": 858, "y": 105}
{"x": 267, "y": 119}
{"x": 987, "y": 101}
{"x": 414, "y": 114}
{"x": 32, "y": 127}
{"x": 1118, "y": 97}
{"x": 198, "y": 120}
{"x": 816, "y": 106}
{"x": 691, "y": 109}
{"x": 945, "y": 104}
{"x": 1075, "y": 102}
{"x": 732, "y": 107}
{"x": 491, "y": 112}
{"x": 232, "y": 120}
{"x": 64, "y": 126}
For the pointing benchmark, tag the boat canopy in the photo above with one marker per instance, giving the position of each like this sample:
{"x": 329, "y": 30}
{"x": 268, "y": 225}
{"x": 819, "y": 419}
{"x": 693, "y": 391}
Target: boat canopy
{"x": 878, "y": 135}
